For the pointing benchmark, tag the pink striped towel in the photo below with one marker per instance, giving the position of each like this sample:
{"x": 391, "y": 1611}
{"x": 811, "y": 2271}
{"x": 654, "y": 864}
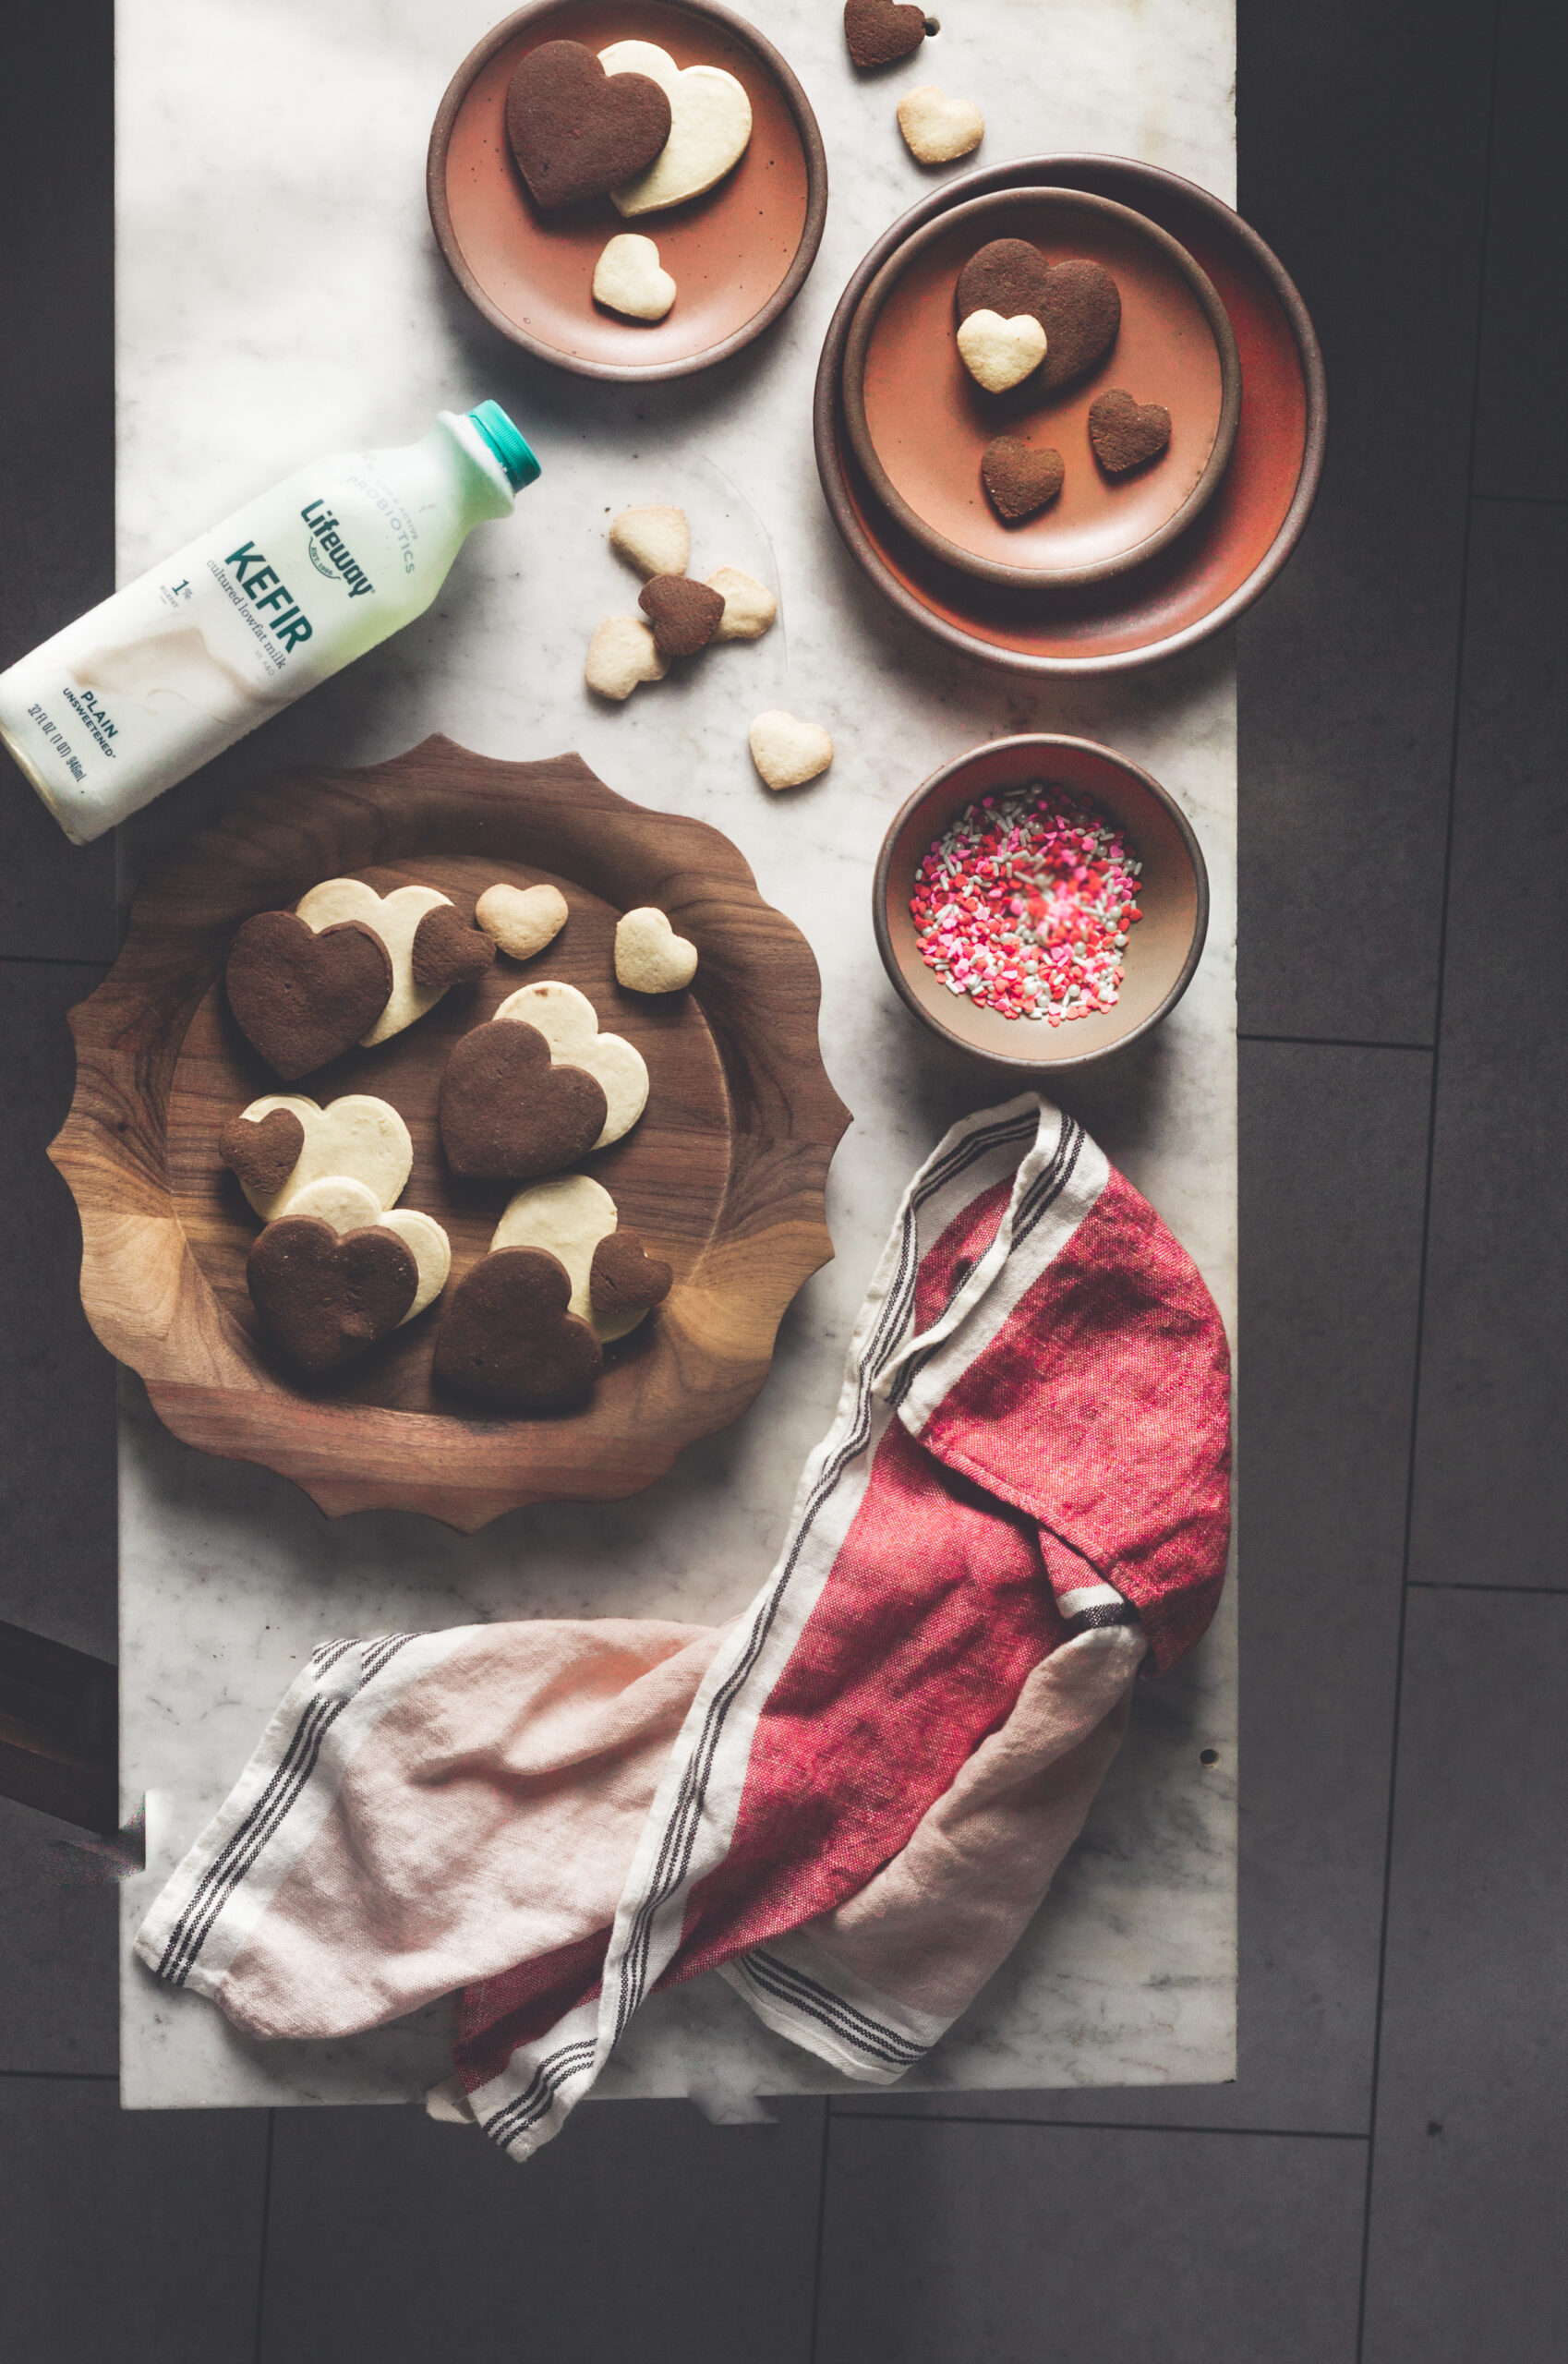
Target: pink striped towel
{"x": 851, "y": 1800}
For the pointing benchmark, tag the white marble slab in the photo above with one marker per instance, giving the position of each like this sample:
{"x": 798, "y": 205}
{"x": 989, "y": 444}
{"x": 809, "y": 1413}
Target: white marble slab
{"x": 279, "y": 297}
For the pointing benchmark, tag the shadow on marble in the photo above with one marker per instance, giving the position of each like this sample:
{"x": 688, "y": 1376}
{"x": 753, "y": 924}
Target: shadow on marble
{"x": 135, "y": 2238}
{"x": 638, "y": 2231}
{"x": 1491, "y": 1481}
{"x": 1013, "y": 2244}
{"x": 1370, "y": 183}
{"x": 1470, "y": 2155}
{"x": 56, "y": 1382}
{"x": 1524, "y": 341}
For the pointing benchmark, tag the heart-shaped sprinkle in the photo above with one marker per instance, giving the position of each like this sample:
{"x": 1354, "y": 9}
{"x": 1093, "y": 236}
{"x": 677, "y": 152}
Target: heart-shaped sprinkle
{"x": 709, "y": 128}
{"x": 649, "y": 957}
{"x": 506, "y": 1112}
{"x": 938, "y": 128}
{"x": 1020, "y": 478}
{"x": 1082, "y": 315}
{"x": 880, "y": 32}
{"x": 1007, "y": 276}
{"x": 447, "y": 952}
{"x": 684, "y": 615}
{"x": 787, "y": 752}
{"x": 322, "y": 1299}
{"x": 997, "y": 353}
{"x": 301, "y": 998}
{"x": 629, "y": 278}
{"x": 263, "y": 1153}
{"x": 522, "y": 920}
{"x": 625, "y": 1279}
{"x": 508, "y": 1339}
{"x": 1125, "y": 434}
{"x": 577, "y": 131}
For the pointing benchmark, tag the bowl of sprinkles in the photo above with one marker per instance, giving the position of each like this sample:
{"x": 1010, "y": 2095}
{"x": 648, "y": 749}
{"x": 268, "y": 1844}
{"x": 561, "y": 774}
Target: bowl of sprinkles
{"x": 1041, "y": 901}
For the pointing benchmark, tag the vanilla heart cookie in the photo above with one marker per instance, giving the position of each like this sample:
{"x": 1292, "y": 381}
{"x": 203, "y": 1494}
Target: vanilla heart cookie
{"x": 1125, "y": 434}
{"x": 522, "y": 920}
{"x": 575, "y": 1218}
{"x": 787, "y": 752}
{"x": 936, "y": 128}
{"x": 629, "y": 278}
{"x": 649, "y": 957}
{"x": 357, "y": 1135}
{"x": 426, "y": 961}
{"x": 710, "y": 126}
{"x": 997, "y": 353}
{"x": 569, "y": 1023}
{"x": 749, "y": 606}
{"x": 656, "y": 539}
{"x": 575, "y": 134}
{"x": 622, "y": 653}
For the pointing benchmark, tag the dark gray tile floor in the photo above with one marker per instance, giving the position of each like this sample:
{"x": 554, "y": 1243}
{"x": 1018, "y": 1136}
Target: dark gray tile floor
{"x": 1381, "y": 2183}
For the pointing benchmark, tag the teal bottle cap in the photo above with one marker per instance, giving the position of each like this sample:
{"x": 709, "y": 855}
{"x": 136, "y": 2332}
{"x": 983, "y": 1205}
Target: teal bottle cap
{"x": 507, "y": 443}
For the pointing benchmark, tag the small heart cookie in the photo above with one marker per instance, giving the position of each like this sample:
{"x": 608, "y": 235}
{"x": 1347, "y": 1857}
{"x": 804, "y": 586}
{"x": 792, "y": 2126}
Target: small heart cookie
{"x": 709, "y": 128}
{"x": 575, "y": 132}
{"x": 1005, "y": 275}
{"x": 787, "y": 752}
{"x": 684, "y": 615}
{"x": 1081, "y": 314}
{"x": 881, "y": 31}
{"x": 302, "y": 997}
{"x": 997, "y": 353}
{"x": 657, "y": 539}
{"x": 749, "y": 606}
{"x": 649, "y": 957}
{"x": 570, "y": 1215}
{"x": 522, "y": 920}
{"x": 356, "y": 1135}
{"x": 570, "y": 1024}
{"x": 622, "y": 653}
{"x": 508, "y": 1338}
{"x": 448, "y": 951}
{"x": 936, "y": 128}
{"x": 629, "y": 278}
{"x": 1125, "y": 434}
{"x": 395, "y": 919}
{"x": 625, "y": 1282}
{"x": 1019, "y": 478}
{"x": 508, "y": 1111}
{"x": 322, "y": 1298}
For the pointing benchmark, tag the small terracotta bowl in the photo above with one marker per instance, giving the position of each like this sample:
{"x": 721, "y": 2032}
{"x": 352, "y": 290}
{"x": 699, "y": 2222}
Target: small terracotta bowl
{"x": 1162, "y": 949}
{"x": 739, "y": 255}
{"x": 919, "y": 423}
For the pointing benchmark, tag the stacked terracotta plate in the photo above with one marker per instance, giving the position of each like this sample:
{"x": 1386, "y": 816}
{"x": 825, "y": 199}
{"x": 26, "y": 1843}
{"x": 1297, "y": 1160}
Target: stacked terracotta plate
{"x": 1117, "y": 570}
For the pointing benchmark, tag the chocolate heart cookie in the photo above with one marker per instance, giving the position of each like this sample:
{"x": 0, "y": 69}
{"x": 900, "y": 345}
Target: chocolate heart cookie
{"x": 302, "y": 998}
{"x": 625, "y": 1279}
{"x": 263, "y": 1151}
{"x": 684, "y": 615}
{"x": 1007, "y": 276}
{"x": 322, "y": 1299}
{"x": 1124, "y": 433}
{"x": 576, "y": 131}
{"x": 881, "y": 31}
{"x": 1082, "y": 315}
{"x": 448, "y": 951}
{"x": 507, "y": 1338}
{"x": 507, "y": 1112}
{"x": 1020, "y": 478}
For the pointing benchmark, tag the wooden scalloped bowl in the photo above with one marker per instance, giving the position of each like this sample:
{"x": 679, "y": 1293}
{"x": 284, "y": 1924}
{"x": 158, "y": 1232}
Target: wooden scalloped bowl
{"x": 723, "y": 1176}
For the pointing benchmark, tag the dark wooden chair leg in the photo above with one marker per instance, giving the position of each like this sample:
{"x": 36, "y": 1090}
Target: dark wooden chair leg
{"x": 59, "y": 1730}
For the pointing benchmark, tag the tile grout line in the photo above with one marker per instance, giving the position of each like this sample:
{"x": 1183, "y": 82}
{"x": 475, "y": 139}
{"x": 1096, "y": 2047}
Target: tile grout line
{"x": 262, "y": 2245}
{"x": 1335, "y": 1041}
{"x": 821, "y": 2229}
{"x": 66, "y": 2076}
{"x": 1530, "y": 1592}
{"x": 1109, "y": 2126}
{"x": 1455, "y": 714}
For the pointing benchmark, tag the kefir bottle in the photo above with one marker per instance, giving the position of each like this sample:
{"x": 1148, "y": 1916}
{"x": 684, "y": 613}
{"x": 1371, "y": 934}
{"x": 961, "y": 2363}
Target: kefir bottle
{"x": 155, "y": 682}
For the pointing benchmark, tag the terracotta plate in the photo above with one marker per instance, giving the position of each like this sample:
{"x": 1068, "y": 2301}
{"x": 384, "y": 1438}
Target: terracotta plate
{"x": 1162, "y": 950}
{"x": 1209, "y": 573}
{"x": 722, "y": 1176}
{"x": 738, "y": 256}
{"x": 919, "y": 422}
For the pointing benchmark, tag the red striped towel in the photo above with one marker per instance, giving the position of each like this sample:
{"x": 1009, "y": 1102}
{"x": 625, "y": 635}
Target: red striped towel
{"x": 849, "y": 1802}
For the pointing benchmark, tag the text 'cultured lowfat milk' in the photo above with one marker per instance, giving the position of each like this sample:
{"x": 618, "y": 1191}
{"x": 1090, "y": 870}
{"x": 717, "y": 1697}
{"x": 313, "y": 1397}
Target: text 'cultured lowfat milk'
{"x": 144, "y": 689}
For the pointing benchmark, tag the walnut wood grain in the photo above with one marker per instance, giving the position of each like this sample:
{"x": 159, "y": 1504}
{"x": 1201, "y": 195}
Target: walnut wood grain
{"x": 723, "y": 1177}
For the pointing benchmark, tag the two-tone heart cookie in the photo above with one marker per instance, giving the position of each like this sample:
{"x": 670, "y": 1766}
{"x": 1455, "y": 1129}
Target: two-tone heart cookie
{"x": 576, "y": 128}
{"x": 614, "y": 1283}
{"x": 431, "y": 948}
{"x": 570, "y": 1024}
{"x": 710, "y": 127}
{"x": 323, "y": 1296}
{"x": 509, "y": 1339}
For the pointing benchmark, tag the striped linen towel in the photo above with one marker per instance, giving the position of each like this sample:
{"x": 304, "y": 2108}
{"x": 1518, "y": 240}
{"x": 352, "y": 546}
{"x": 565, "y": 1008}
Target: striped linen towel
{"x": 851, "y": 1800}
